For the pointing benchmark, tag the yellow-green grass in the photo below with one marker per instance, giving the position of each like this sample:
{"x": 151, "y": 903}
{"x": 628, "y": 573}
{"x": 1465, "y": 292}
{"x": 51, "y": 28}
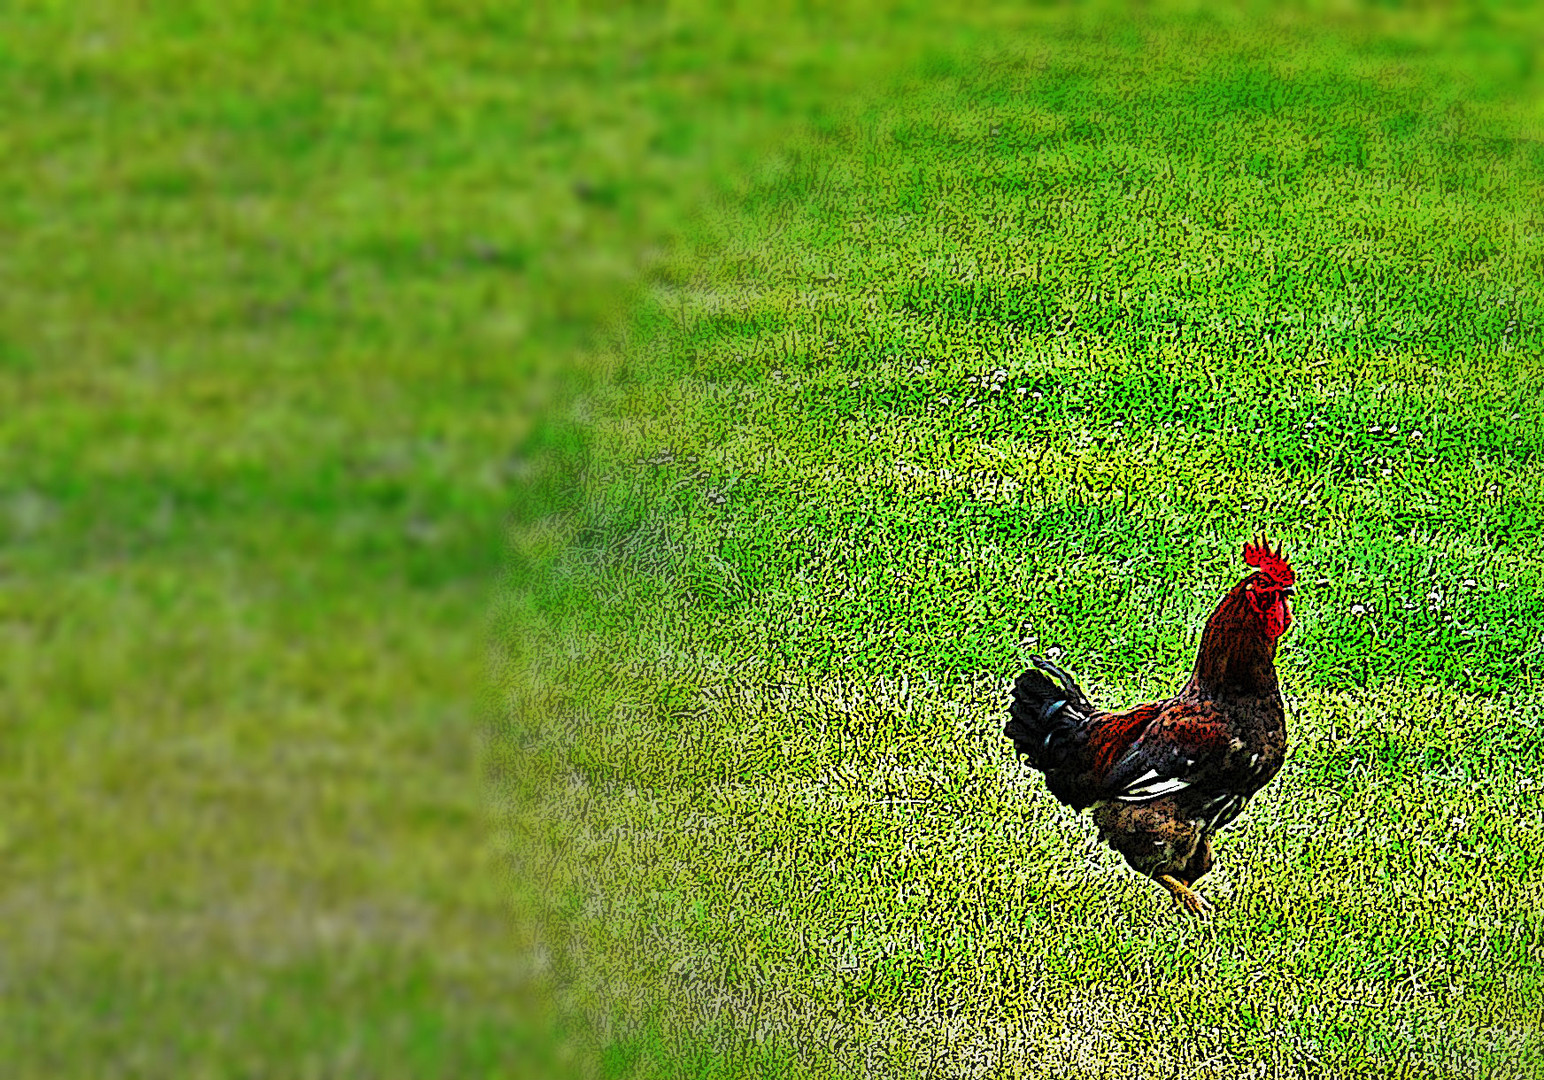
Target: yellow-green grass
{"x": 1011, "y": 359}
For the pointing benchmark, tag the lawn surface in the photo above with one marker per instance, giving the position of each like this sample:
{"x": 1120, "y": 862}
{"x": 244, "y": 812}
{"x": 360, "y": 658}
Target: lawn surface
{"x": 1009, "y": 358}
{"x": 283, "y": 289}
{"x": 296, "y": 306}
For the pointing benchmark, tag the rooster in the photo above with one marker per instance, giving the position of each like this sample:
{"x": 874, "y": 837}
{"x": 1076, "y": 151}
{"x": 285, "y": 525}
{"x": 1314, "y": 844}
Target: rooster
{"x": 1163, "y": 777}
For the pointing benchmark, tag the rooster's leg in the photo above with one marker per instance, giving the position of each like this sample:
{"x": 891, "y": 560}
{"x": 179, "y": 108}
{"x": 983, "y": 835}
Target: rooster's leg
{"x": 1184, "y": 895}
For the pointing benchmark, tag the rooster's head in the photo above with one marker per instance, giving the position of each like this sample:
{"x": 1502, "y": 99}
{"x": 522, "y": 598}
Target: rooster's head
{"x": 1268, "y": 588}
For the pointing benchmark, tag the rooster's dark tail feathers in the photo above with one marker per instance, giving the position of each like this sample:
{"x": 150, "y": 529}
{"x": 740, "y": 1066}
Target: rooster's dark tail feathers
{"x": 1047, "y": 717}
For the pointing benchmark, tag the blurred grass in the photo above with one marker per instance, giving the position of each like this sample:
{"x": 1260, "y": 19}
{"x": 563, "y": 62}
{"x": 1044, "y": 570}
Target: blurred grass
{"x": 283, "y": 291}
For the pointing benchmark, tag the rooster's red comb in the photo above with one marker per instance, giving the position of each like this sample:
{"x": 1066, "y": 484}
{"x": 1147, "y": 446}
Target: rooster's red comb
{"x": 1270, "y": 563}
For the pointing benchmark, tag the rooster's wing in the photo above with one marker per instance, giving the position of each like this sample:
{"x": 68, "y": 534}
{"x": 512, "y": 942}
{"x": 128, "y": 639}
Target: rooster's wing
{"x": 1177, "y": 749}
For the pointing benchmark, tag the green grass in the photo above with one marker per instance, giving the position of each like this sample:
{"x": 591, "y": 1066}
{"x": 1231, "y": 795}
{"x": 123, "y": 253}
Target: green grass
{"x": 1011, "y": 357}
{"x": 288, "y": 295}
{"x": 294, "y": 303}
{"x": 284, "y": 290}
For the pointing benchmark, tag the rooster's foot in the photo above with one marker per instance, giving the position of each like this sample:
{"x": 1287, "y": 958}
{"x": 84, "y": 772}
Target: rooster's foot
{"x": 1185, "y": 896}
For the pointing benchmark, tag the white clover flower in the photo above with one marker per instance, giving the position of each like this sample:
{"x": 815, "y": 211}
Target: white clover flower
{"x": 1359, "y": 609}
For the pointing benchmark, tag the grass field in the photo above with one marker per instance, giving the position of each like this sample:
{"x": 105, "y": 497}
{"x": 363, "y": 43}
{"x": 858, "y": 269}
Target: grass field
{"x": 1011, "y": 357}
{"x": 283, "y": 290}
{"x": 296, "y": 306}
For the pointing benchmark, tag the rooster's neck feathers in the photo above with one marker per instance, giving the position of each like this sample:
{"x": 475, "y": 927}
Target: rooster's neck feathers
{"x": 1237, "y": 658}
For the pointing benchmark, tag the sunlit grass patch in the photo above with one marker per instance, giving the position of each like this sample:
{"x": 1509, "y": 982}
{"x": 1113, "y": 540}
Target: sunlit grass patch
{"x": 864, "y": 848}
